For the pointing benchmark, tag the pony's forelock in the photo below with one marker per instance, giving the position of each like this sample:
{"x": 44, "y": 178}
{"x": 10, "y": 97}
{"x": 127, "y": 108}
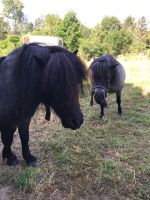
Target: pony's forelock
{"x": 101, "y": 67}
{"x": 63, "y": 73}
{"x": 62, "y": 70}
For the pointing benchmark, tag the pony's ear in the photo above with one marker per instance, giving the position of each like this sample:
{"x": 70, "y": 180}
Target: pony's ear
{"x": 2, "y": 58}
{"x": 114, "y": 62}
{"x": 75, "y": 52}
{"x": 115, "y": 65}
{"x": 40, "y": 60}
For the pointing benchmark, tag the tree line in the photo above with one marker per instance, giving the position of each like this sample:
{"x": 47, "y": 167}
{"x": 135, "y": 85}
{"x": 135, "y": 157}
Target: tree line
{"x": 110, "y": 35}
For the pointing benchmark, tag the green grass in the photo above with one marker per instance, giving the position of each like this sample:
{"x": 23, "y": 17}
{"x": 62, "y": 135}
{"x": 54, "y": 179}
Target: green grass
{"x": 26, "y": 178}
{"x": 5, "y": 175}
{"x": 102, "y": 160}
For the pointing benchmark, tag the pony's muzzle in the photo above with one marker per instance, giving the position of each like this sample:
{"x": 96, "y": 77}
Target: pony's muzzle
{"x": 76, "y": 124}
{"x": 73, "y": 123}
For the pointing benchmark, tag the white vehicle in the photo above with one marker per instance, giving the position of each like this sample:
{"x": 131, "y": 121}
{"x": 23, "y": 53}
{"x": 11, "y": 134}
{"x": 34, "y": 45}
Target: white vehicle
{"x": 45, "y": 40}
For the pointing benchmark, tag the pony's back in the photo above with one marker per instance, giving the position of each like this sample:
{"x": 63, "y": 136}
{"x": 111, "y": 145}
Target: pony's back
{"x": 117, "y": 79}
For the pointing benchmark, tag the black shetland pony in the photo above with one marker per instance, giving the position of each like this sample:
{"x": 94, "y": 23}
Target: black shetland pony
{"x": 34, "y": 74}
{"x": 107, "y": 76}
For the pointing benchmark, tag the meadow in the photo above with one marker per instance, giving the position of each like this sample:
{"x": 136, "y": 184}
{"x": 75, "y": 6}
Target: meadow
{"x": 103, "y": 160}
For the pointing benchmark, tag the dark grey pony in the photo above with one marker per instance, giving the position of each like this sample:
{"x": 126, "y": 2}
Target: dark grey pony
{"x": 107, "y": 76}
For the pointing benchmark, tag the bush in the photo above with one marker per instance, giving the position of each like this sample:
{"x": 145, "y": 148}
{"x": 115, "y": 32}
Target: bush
{"x": 11, "y": 42}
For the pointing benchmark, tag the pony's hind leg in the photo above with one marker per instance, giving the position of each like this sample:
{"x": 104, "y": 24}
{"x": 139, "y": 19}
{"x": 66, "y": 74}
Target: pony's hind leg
{"x": 7, "y": 139}
{"x": 102, "y": 112}
{"x": 118, "y": 100}
{"x": 23, "y": 128}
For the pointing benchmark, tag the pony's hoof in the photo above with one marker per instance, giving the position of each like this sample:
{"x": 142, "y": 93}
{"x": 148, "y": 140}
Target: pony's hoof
{"x": 120, "y": 113}
{"x": 32, "y": 161}
{"x": 12, "y": 160}
{"x": 101, "y": 117}
{"x": 91, "y": 104}
{"x": 32, "y": 164}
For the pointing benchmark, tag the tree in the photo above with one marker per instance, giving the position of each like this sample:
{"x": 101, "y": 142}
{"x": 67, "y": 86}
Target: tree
{"x": 13, "y": 11}
{"x": 85, "y": 31}
{"x": 70, "y": 31}
{"x": 38, "y": 26}
{"x": 26, "y": 27}
{"x": 129, "y": 23}
{"x": 48, "y": 25}
{"x": 110, "y": 24}
{"x": 4, "y": 28}
{"x": 142, "y": 30}
{"x": 39, "y": 22}
{"x": 117, "y": 42}
{"x": 113, "y": 37}
{"x": 107, "y": 37}
{"x": 91, "y": 47}
{"x": 51, "y": 25}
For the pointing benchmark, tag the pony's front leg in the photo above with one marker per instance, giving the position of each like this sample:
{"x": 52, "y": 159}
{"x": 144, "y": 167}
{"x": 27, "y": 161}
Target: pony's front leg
{"x": 118, "y": 100}
{"x": 91, "y": 101}
{"x": 23, "y": 128}
{"x": 102, "y": 112}
{"x": 7, "y": 139}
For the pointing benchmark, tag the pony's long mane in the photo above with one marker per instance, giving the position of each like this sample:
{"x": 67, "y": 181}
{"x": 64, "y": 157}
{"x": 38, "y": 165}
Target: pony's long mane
{"x": 61, "y": 70}
{"x": 101, "y": 67}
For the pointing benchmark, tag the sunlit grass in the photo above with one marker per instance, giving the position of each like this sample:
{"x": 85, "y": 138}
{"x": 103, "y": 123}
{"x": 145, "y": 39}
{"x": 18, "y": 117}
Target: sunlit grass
{"x": 138, "y": 72}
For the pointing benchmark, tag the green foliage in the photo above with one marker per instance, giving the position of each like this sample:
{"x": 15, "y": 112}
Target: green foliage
{"x": 141, "y": 30}
{"x": 26, "y": 27}
{"x": 129, "y": 23}
{"x": 114, "y": 38}
{"x": 110, "y": 24}
{"x": 137, "y": 47}
{"x": 13, "y": 11}
{"x": 85, "y": 31}
{"x": 140, "y": 34}
{"x": 117, "y": 42}
{"x": 4, "y": 28}
{"x": 70, "y": 31}
{"x": 39, "y": 22}
{"x": 52, "y": 23}
{"x": 48, "y": 26}
{"x": 90, "y": 47}
{"x": 7, "y": 45}
{"x": 107, "y": 37}
{"x": 13, "y": 38}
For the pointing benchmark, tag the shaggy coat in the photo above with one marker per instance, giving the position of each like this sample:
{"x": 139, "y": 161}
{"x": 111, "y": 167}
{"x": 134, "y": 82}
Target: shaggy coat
{"x": 34, "y": 74}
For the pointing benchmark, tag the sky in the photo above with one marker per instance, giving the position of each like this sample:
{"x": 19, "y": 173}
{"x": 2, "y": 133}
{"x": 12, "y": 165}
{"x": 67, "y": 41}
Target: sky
{"x": 89, "y": 12}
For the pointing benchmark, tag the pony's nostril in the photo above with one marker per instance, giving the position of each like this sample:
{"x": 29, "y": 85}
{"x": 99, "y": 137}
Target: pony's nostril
{"x": 77, "y": 123}
{"x": 74, "y": 122}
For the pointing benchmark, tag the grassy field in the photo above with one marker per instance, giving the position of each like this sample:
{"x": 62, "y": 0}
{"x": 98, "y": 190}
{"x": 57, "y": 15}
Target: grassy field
{"x": 103, "y": 160}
